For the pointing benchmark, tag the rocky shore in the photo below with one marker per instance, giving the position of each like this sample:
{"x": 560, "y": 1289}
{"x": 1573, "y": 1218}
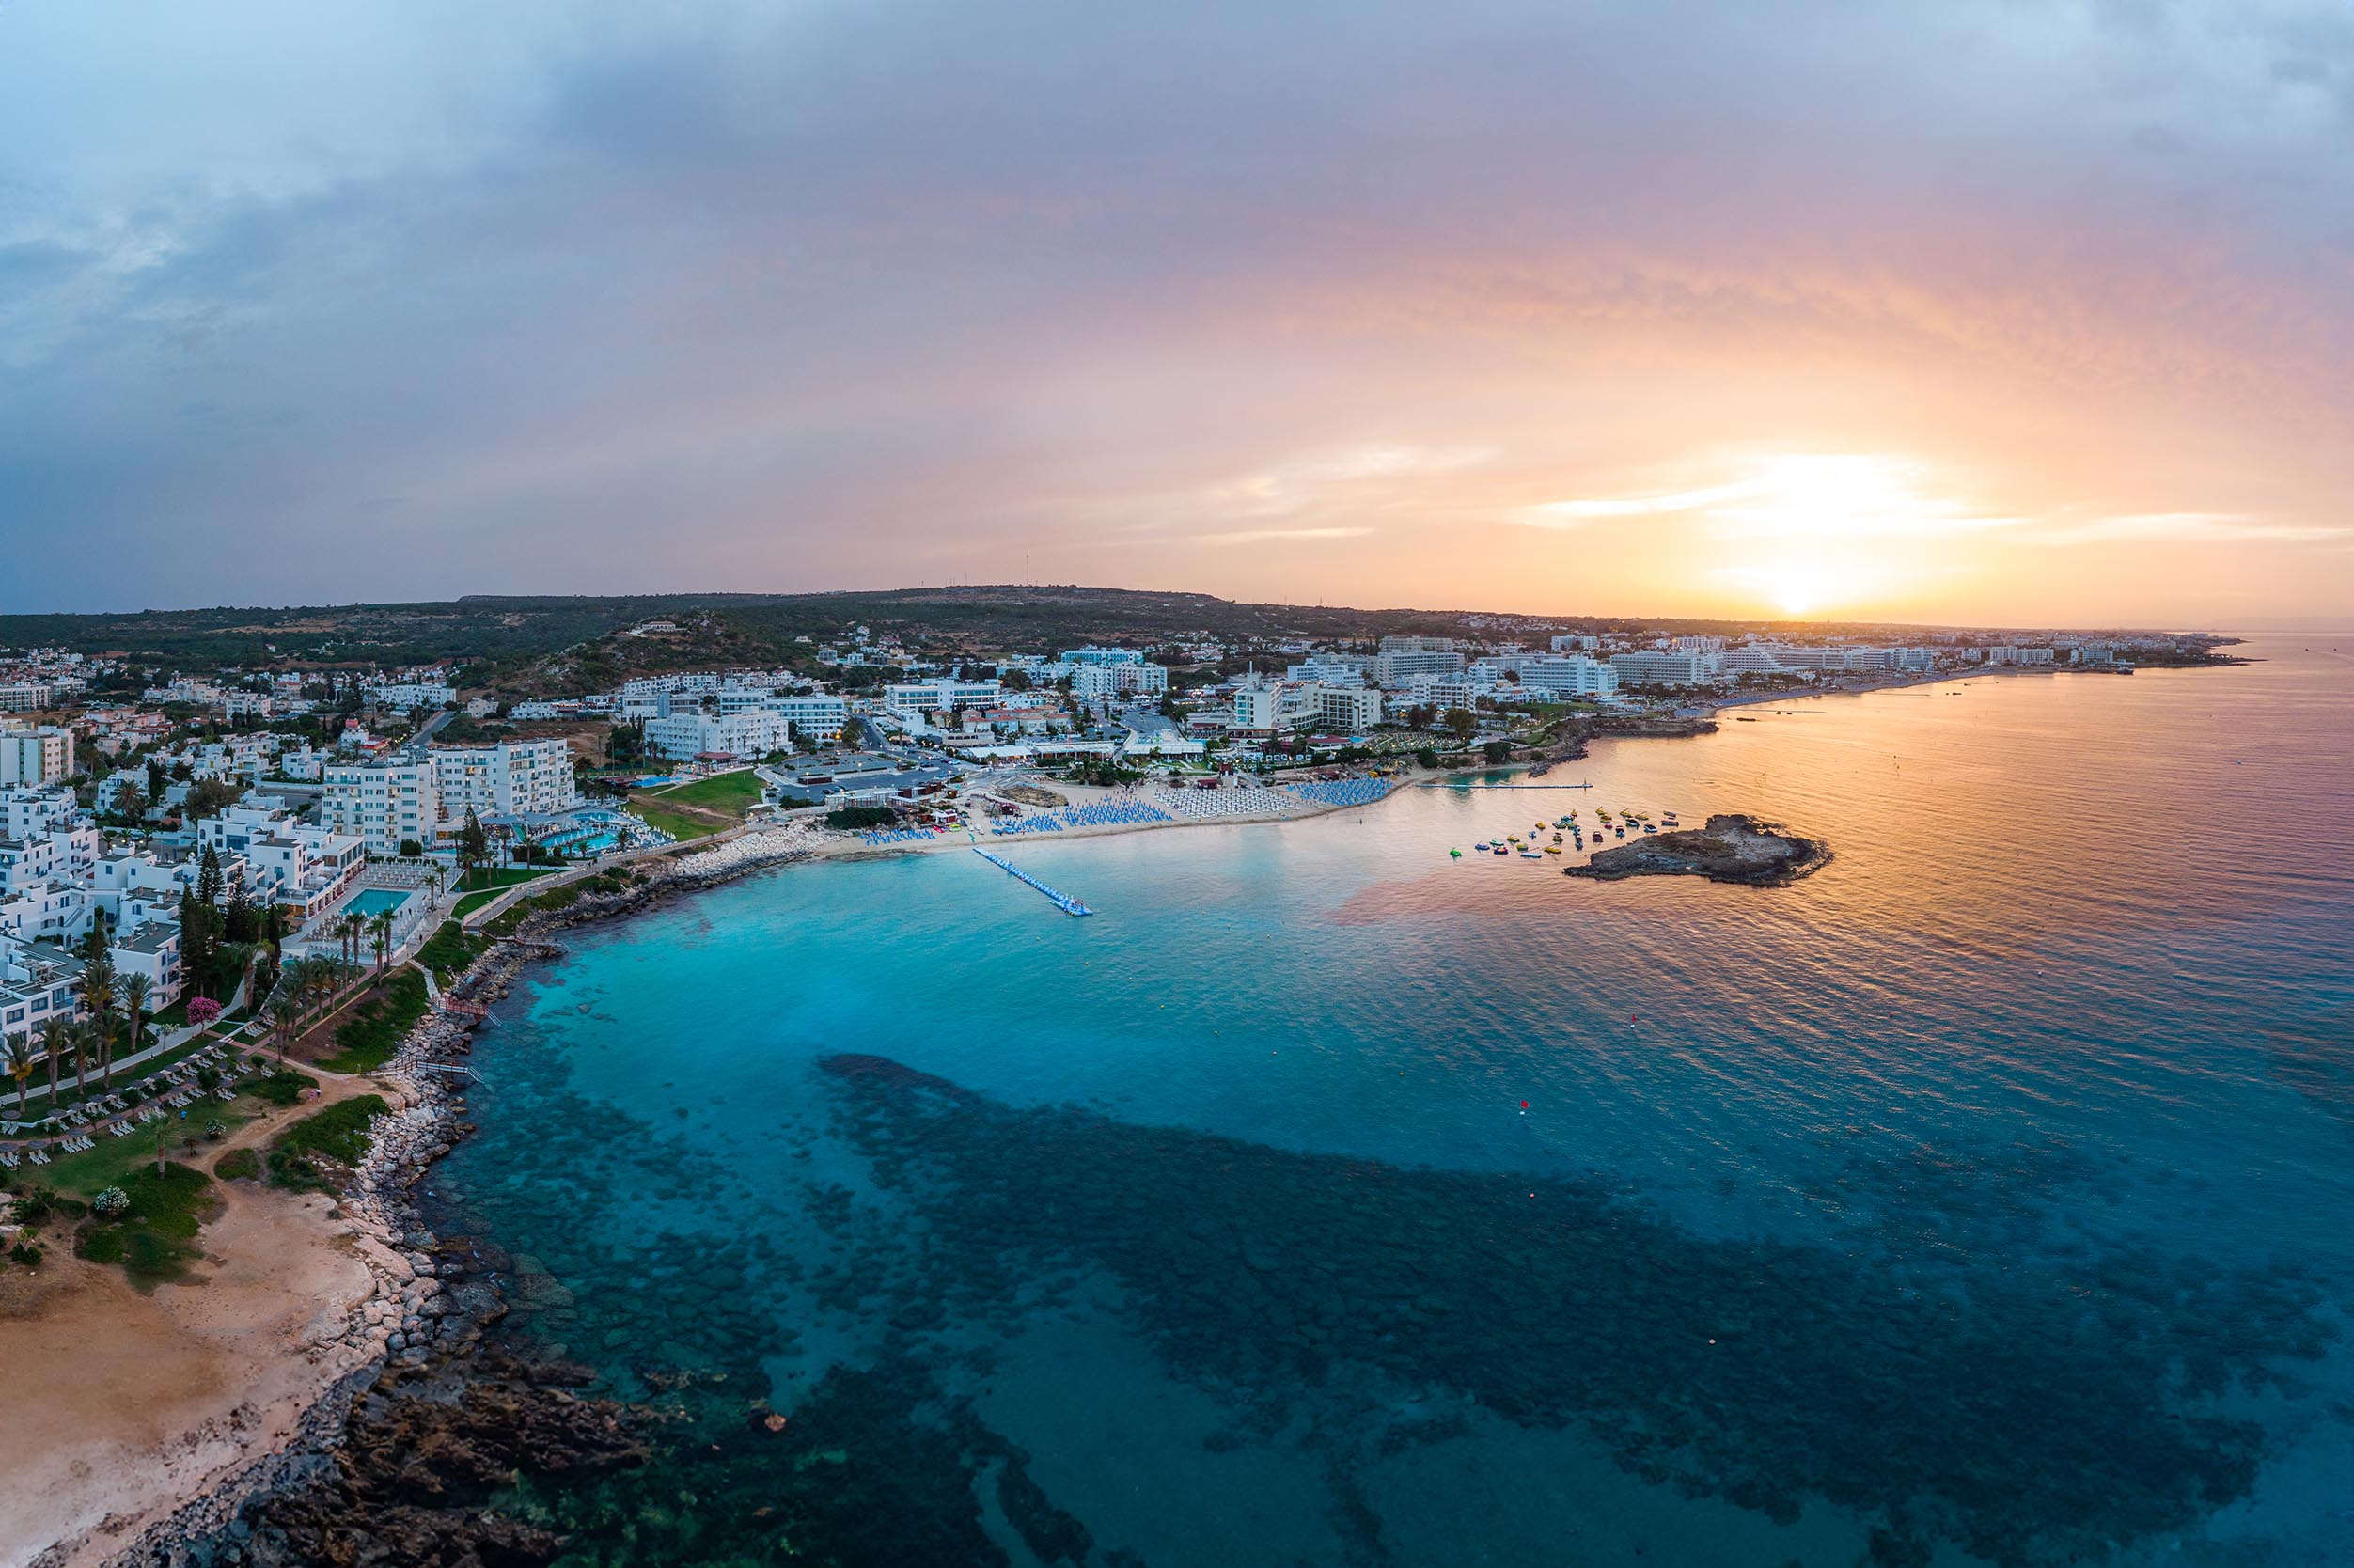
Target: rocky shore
{"x": 391, "y": 1462}
{"x": 1728, "y": 848}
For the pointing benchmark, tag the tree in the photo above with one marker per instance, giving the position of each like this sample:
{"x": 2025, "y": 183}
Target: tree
{"x": 411, "y": 849}
{"x": 1463, "y": 723}
{"x": 283, "y": 1014}
{"x": 63, "y": 1036}
{"x": 240, "y": 921}
{"x": 21, "y": 1065}
{"x": 380, "y": 938}
{"x": 473, "y": 845}
{"x": 135, "y": 994}
{"x": 98, "y": 997}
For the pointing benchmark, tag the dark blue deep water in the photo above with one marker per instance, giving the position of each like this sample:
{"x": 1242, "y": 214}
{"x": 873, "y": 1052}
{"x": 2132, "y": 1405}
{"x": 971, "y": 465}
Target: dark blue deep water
{"x": 1986, "y": 1197}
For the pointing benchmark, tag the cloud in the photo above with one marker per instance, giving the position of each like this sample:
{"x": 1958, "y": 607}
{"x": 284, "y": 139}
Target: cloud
{"x": 615, "y": 296}
{"x": 1795, "y": 495}
{"x": 2184, "y": 527}
{"x": 1267, "y": 536}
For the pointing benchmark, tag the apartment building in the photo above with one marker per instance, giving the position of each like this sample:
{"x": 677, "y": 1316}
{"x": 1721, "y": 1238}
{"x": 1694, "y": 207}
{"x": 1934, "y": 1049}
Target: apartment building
{"x": 512, "y": 778}
{"x": 382, "y": 803}
{"x": 34, "y": 756}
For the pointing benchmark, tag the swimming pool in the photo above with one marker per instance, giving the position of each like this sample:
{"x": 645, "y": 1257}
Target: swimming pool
{"x": 377, "y": 900}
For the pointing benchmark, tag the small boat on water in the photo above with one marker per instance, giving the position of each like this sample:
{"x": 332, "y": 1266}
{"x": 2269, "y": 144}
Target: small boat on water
{"x": 1552, "y": 849}
{"x": 1530, "y": 854}
{"x": 1455, "y": 854}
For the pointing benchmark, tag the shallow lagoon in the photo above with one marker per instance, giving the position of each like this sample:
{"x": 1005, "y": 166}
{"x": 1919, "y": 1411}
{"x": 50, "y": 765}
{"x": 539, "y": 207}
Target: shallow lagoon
{"x": 2004, "y": 1163}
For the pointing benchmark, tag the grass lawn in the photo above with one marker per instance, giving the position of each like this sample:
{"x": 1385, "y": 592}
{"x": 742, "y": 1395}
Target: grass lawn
{"x": 731, "y": 793}
{"x": 554, "y": 898}
{"x": 491, "y": 879}
{"x": 706, "y": 806}
{"x": 473, "y": 902}
{"x": 114, "y": 1158}
{"x": 155, "y": 1237}
{"x": 301, "y": 1156}
{"x": 676, "y": 823}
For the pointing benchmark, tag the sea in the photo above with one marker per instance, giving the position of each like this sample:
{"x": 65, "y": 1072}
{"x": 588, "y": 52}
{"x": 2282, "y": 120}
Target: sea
{"x": 1325, "y": 1199}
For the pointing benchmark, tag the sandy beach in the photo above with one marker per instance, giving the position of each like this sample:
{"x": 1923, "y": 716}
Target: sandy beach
{"x": 121, "y": 1407}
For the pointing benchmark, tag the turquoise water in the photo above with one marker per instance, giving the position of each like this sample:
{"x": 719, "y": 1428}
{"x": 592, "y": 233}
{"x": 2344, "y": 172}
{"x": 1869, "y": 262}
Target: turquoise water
{"x": 376, "y": 900}
{"x": 1325, "y": 1199}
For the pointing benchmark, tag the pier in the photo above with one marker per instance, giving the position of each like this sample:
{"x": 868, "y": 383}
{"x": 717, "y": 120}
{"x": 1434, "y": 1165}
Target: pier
{"x": 1061, "y": 900}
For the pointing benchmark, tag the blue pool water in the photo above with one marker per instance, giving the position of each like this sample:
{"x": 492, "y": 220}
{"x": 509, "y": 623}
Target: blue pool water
{"x": 376, "y": 900}
{"x": 1325, "y": 1199}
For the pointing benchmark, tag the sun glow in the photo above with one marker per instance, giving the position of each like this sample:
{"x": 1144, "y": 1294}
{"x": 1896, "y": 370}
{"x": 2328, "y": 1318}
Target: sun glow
{"x": 1800, "y": 584}
{"x": 1805, "y": 533}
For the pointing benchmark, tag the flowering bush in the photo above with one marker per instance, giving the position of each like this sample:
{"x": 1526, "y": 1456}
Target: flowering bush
{"x": 107, "y": 1204}
{"x": 202, "y": 1009}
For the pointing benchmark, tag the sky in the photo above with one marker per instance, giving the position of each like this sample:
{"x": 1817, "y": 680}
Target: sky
{"x": 2000, "y": 313}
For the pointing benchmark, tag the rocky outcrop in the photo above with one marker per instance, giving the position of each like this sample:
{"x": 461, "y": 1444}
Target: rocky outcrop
{"x": 421, "y": 1454}
{"x": 1730, "y": 848}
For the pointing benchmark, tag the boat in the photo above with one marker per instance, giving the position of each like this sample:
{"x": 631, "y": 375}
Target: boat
{"x": 1455, "y": 854}
{"x": 1552, "y": 849}
{"x": 1530, "y": 854}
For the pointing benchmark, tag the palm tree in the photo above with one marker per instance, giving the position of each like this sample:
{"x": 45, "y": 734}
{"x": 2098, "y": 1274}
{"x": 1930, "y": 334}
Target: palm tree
{"x": 21, "y": 1067}
{"x": 136, "y": 991}
{"x": 97, "y": 995}
{"x": 67, "y": 1038}
{"x": 284, "y": 1012}
{"x": 317, "y": 981}
{"x": 51, "y": 1049}
{"x": 102, "y": 1027}
{"x": 380, "y": 937}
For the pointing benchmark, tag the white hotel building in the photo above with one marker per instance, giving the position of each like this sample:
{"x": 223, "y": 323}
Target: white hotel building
{"x": 512, "y": 778}
{"x": 382, "y": 803}
{"x": 425, "y": 797}
{"x": 1665, "y": 667}
{"x": 1570, "y": 677}
{"x": 687, "y": 734}
{"x": 931, "y": 697}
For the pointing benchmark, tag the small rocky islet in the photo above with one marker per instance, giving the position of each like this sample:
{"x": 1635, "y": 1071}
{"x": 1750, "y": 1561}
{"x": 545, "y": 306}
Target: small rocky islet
{"x": 1728, "y": 847}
